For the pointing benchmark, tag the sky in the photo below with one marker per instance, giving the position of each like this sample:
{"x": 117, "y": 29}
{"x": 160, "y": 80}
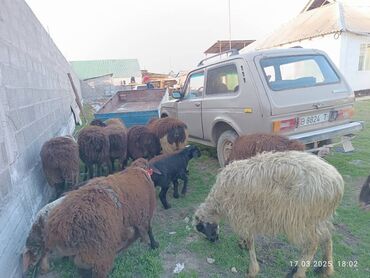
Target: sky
{"x": 163, "y": 35}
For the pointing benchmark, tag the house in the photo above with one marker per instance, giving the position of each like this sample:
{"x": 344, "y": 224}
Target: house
{"x": 125, "y": 71}
{"x": 340, "y": 28}
{"x": 224, "y": 45}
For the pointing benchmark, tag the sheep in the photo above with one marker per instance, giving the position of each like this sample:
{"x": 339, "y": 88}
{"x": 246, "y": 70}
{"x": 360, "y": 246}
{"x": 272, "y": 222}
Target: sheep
{"x": 365, "y": 194}
{"x": 172, "y": 133}
{"x": 292, "y": 193}
{"x": 117, "y": 135}
{"x": 171, "y": 167}
{"x": 115, "y": 121}
{"x": 34, "y": 251}
{"x": 141, "y": 142}
{"x": 98, "y": 122}
{"x": 102, "y": 218}
{"x": 93, "y": 143}
{"x": 247, "y": 146}
{"x": 60, "y": 162}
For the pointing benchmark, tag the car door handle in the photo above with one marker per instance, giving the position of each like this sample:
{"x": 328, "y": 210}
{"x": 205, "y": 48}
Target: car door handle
{"x": 197, "y": 104}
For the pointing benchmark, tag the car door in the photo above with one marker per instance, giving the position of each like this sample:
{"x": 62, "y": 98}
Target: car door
{"x": 190, "y": 105}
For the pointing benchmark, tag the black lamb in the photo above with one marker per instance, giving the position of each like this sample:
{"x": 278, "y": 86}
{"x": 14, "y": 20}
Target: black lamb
{"x": 171, "y": 167}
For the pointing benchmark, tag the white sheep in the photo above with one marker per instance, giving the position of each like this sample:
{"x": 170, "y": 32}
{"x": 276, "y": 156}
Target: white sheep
{"x": 292, "y": 193}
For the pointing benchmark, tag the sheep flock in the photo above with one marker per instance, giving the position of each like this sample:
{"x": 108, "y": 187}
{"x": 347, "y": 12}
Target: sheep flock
{"x": 269, "y": 187}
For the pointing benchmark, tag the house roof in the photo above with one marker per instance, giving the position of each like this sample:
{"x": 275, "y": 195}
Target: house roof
{"x": 330, "y": 18}
{"x": 122, "y": 68}
{"x": 221, "y": 46}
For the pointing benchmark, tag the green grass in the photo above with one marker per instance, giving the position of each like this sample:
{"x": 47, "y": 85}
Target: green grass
{"x": 351, "y": 238}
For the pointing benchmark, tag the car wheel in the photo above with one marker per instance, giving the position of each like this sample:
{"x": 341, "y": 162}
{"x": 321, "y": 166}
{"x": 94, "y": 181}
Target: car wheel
{"x": 224, "y": 145}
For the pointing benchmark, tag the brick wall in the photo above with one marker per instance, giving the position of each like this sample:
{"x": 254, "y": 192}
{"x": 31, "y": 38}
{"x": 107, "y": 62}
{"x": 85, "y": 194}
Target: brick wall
{"x": 35, "y": 104}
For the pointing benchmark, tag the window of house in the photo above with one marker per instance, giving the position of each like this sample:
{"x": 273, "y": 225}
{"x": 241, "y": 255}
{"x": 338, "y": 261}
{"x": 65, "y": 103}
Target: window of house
{"x": 195, "y": 85}
{"x": 364, "y": 59}
{"x": 222, "y": 80}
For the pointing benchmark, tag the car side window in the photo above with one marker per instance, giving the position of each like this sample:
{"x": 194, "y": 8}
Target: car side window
{"x": 222, "y": 80}
{"x": 195, "y": 85}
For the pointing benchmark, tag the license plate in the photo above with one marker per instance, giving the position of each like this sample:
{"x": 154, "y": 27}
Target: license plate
{"x": 313, "y": 119}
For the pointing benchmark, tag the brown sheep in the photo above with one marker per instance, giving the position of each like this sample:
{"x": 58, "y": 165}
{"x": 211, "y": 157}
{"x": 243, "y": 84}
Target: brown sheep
{"x": 247, "y": 146}
{"x": 114, "y": 121}
{"x": 117, "y": 135}
{"x": 94, "y": 147}
{"x": 60, "y": 163}
{"x": 103, "y": 217}
{"x": 142, "y": 143}
{"x": 172, "y": 133}
{"x": 365, "y": 194}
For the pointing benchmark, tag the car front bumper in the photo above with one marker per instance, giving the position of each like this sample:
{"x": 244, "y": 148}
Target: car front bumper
{"x": 328, "y": 133}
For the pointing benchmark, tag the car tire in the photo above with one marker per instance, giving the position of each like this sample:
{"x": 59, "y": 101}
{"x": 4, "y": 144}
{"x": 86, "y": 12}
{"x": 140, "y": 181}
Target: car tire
{"x": 224, "y": 145}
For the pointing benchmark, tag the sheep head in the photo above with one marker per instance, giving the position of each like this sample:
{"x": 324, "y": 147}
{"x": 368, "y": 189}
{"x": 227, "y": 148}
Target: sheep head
{"x": 30, "y": 258}
{"x": 206, "y": 222}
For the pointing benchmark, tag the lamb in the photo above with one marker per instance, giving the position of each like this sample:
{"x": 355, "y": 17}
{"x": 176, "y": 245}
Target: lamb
{"x": 93, "y": 143}
{"x": 292, "y": 193}
{"x": 247, "y": 146}
{"x": 35, "y": 251}
{"x": 365, "y": 194}
{"x": 171, "y": 167}
{"x": 141, "y": 142}
{"x": 60, "y": 162}
{"x": 172, "y": 133}
{"x": 117, "y": 135}
{"x": 102, "y": 218}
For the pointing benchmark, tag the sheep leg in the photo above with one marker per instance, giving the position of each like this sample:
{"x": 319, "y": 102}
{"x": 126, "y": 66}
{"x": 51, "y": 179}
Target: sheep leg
{"x": 90, "y": 171}
{"x": 111, "y": 171}
{"x": 162, "y": 197}
{"x": 328, "y": 268}
{"x": 254, "y": 267}
{"x": 175, "y": 189}
{"x": 153, "y": 243}
{"x": 184, "y": 177}
{"x": 306, "y": 258}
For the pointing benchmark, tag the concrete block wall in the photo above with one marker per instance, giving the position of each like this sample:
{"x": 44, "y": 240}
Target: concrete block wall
{"x": 35, "y": 104}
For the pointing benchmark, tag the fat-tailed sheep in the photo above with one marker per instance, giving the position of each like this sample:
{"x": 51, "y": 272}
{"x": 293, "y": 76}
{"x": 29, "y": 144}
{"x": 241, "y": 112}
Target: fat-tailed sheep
{"x": 247, "y": 146}
{"x": 93, "y": 143}
{"x": 365, "y": 194}
{"x": 103, "y": 217}
{"x": 60, "y": 163}
{"x": 292, "y": 193}
{"x": 117, "y": 135}
{"x": 142, "y": 143}
{"x": 172, "y": 133}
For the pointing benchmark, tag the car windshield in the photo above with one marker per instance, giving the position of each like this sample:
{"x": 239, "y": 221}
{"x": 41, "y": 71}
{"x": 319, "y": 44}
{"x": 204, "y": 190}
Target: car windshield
{"x": 291, "y": 72}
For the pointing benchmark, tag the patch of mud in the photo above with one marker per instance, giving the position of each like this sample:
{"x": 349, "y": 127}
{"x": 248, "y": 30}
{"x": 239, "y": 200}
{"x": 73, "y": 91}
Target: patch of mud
{"x": 349, "y": 238}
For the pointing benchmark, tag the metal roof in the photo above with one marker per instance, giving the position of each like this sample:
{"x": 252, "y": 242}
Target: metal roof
{"x": 122, "y": 68}
{"x": 332, "y": 18}
{"x": 221, "y": 46}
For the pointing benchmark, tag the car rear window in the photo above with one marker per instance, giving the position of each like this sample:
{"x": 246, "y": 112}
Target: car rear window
{"x": 292, "y": 72}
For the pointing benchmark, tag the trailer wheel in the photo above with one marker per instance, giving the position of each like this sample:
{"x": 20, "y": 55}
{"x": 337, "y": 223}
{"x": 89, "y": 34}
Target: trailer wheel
{"x": 224, "y": 145}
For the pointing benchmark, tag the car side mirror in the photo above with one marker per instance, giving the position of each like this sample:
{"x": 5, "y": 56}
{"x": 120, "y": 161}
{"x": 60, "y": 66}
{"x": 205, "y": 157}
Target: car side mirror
{"x": 176, "y": 95}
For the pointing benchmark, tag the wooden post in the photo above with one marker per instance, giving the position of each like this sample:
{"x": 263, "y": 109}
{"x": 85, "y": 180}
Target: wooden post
{"x": 77, "y": 97}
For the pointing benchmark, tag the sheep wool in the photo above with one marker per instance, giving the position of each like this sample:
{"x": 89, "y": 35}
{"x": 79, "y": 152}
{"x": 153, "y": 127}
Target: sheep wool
{"x": 292, "y": 193}
{"x": 247, "y": 146}
{"x": 172, "y": 133}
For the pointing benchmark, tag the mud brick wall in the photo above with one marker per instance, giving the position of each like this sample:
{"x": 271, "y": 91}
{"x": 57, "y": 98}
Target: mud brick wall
{"x": 36, "y": 100}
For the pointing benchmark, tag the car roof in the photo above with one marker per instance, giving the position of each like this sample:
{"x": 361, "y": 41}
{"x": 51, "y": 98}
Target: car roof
{"x": 251, "y": 54}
